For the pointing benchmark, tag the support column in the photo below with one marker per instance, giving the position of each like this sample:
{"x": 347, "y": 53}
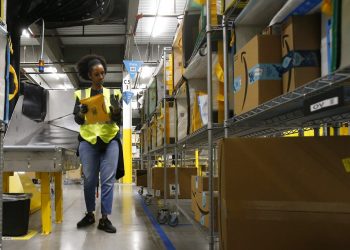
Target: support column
{"x": 45, "y": 203}
{"x": 58, "y": 197}
{"x": 127, "y": 133}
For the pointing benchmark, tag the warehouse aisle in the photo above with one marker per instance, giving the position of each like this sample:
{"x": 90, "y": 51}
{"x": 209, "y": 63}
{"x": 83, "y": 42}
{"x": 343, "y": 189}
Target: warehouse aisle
{"x": 135, "y": 229}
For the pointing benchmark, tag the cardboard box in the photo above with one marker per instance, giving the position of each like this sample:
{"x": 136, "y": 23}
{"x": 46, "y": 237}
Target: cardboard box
{"x": 141, "y": 177}
{"x": 202, "y": 210}
{"x": 200, "y": 184}
{"x": 74, "y": 174}
{"x": 257, "y": 75}
{"x": 170, "y": 124}
{"x": 184, "y": 181}
{"x": 300, "y": 51}
{"x": 285, "y": 193}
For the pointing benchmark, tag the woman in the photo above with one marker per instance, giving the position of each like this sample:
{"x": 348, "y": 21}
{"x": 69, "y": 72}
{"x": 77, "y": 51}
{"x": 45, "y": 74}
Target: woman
{"x": 99, "y": 148}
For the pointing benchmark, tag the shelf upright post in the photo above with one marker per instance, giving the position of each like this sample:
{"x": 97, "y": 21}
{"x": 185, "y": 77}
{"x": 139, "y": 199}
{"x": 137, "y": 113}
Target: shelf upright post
{"x": 165, "y": 57}
{"x": 141, "y": 149}
{"x": 336, "y": 128}
{"x": 149, "y": 167}
{"x": 301, "y": 132}
{"x": 226, "y": 75}
{"x": 316, "y": 132}
{"x": 176, "y": 180}
{"x": 210, "y": 124}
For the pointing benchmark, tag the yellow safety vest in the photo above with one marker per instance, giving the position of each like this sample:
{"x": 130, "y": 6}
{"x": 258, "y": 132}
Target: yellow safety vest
{"x": 106, "y": 131}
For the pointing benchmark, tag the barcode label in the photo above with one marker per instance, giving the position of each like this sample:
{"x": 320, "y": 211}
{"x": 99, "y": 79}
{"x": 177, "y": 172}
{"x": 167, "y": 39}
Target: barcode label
{"x": 324, "y": 104}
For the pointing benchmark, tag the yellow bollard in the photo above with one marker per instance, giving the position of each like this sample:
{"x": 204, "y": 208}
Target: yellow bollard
{"x": 45, "y": 203}
{"x": 196, "y": 155}
{"x": 58, "y": 197}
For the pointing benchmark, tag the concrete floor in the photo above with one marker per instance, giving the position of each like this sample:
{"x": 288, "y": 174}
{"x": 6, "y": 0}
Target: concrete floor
{"x": 135, "y": 230}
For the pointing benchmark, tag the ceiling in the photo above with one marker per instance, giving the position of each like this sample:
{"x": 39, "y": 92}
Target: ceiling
{"x": 115, "y": 29}
{"x": 159, "y": 20}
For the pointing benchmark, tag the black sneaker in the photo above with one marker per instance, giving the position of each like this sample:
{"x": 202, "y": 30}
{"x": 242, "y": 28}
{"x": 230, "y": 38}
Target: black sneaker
{"x": 86, "y": 221}
{"x": 106, "y": 226}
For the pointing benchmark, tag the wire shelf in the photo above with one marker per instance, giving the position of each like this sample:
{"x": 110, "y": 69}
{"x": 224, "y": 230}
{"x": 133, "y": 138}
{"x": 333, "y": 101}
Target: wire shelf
{"x": 289, "y": 110}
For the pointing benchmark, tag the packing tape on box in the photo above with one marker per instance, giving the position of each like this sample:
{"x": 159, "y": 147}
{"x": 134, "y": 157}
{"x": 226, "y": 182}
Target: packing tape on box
{"x": 300, "y": 58}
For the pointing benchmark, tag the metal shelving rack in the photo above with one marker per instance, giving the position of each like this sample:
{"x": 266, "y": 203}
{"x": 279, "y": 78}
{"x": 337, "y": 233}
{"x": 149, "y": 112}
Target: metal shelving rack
{"x": 288, "y": 113}
{"x": 283, "y": 115}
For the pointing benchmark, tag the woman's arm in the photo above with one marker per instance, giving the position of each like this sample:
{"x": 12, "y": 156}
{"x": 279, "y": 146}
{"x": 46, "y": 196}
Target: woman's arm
{"x": 78, "y": 116}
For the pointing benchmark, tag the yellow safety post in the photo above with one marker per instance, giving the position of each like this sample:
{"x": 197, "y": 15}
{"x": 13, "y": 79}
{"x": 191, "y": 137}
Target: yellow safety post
{"x": 127, "y": 133}
{"x": 45, "y": 203}
{"x": 6, "y": 181}
{"x": 58, "y": 197}
{"x": 196, "y": 157}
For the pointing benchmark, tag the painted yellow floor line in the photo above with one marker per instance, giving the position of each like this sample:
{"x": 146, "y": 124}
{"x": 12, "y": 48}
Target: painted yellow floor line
{"x": 28, "y": 236}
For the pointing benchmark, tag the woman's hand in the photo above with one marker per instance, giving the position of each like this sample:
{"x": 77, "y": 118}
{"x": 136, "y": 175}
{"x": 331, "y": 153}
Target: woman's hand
{"x": 115, "y": 107}
{"x": 83, "y": 109}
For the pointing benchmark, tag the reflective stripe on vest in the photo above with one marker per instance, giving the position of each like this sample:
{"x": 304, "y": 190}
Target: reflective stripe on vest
{"x": 106, "y": 131}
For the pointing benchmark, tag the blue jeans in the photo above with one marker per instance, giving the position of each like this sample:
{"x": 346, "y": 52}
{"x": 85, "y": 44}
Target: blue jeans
{"x": 105, "y": 162}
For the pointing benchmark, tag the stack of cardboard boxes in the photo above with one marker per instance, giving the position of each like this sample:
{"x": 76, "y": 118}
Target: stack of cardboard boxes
{"x": 201, "y": 200}
{"x": 271, "y": 65}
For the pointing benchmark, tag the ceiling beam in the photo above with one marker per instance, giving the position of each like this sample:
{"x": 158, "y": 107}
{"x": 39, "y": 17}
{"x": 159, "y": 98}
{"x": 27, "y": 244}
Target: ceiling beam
{"x": 131, "y": 27}
{"x": 63, "y": 64}
{"x": 112, "y": 53}
{"x": 82, "y": 35}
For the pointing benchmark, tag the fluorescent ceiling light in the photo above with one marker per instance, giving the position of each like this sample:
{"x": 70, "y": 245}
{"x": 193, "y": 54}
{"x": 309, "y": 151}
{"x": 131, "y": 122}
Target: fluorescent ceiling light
{"x": 165, "y": 7}
{"x": 146, "y": 72}
{"x": 51, "y": 69}
{"x": 159, "y": 26}
{"x": 25, "y": 33}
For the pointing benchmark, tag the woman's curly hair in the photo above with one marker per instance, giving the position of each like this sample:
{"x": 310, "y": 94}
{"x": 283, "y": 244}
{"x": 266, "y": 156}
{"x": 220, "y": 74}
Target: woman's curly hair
{"x": 87, "y": 62}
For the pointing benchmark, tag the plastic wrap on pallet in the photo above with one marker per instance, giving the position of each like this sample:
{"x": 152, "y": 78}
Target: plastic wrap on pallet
{"x": 152, "y": 96}
{"x": 259, "y": 12}
{"x": 170, "y": 124}
{"x": 182, "y": 112}
{"x": 197, "y": 69}
{"x": 292, "y": 7}
{"x": 177, "y": 55}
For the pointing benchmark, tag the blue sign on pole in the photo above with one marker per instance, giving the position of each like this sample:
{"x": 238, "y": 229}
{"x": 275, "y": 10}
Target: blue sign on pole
{"x": 127, "y": 96}
{"x": 132, "y": 67}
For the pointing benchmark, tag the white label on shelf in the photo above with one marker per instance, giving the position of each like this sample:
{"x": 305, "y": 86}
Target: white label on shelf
{"x": 172, "y": 188}
{"x": 324, "y": 104}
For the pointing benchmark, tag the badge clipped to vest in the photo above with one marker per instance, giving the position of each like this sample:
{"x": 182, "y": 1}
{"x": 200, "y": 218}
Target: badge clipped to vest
{"x": 97, "y": 111}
